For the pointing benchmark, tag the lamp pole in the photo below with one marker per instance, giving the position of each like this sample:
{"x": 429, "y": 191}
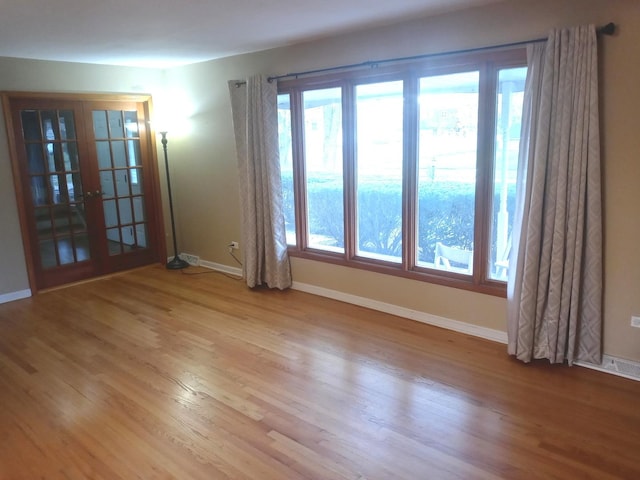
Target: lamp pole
{"x": 176, "y": 263}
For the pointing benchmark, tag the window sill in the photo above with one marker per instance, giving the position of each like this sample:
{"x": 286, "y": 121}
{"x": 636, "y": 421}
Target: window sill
{"x": 434, "y": 276}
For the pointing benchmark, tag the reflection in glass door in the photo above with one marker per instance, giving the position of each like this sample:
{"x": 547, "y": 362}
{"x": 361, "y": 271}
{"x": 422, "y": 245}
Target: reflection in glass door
{"x": 53, "y": 170}
{"x": 121, "y": 179}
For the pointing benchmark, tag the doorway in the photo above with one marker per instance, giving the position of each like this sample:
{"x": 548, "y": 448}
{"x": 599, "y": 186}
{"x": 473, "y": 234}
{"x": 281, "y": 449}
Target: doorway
{"x": 86, "y": 180}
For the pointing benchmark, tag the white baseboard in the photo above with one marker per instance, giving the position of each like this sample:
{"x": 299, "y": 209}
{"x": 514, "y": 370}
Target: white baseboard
{"x": 455, "y": 325}
{"x": 610, "y": 364}
{"x": 10, "y": 297}
{"x": 221, "y": 268}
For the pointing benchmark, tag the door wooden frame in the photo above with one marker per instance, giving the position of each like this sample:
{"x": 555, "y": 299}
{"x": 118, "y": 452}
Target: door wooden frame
{"x": 154, "y": 196}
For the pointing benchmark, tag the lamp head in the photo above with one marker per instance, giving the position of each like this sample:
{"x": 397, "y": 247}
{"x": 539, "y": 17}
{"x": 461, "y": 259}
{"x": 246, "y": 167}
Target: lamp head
{"x": 172, "y": 109}
{"x": 164, "y": 139}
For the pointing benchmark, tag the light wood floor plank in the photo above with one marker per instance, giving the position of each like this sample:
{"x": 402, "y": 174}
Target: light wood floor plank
{"x": 158, "y": 374}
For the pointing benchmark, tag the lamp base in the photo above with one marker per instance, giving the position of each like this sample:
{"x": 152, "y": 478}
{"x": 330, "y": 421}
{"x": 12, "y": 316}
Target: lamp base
{"x": 176, "y": 263}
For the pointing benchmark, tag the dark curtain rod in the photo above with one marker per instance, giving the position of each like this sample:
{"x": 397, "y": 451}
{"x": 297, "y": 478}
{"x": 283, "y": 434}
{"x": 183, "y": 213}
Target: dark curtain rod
{"x": 608, "y": 29}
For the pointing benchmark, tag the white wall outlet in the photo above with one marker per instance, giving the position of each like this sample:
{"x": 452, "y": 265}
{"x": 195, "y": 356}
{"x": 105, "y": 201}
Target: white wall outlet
{"x": 234, "y": 245}
{"x": 635, "y": 321}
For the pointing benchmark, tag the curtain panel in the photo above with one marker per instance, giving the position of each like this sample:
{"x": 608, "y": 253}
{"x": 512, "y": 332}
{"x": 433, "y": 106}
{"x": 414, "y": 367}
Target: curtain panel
{"x": 555, "y": 289}
{"x": 255, "y": 120}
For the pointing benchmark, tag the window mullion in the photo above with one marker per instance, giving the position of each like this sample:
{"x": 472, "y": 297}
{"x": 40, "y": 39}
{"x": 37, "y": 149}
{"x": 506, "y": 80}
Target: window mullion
{"x": 486, "y": 135}
{"x": 409, "y": 174}
{"x": 349, "y": 168}
{"x": 299, "y": 170}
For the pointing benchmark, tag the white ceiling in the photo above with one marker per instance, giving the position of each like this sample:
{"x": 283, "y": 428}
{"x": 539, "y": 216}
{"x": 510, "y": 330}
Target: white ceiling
{"x": 165, "y": 33}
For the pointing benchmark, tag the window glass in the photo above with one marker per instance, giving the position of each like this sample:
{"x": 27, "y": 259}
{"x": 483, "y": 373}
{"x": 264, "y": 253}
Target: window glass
{"x": 116, "y": 127}
{"x": 323, "y": 166}
{"x": 31, "y": 126}
{"x": 510, "y": 97}
{"x": 286, "y": 166}
{"x": 379, "y": 143}
{"x": 447, "y": 158}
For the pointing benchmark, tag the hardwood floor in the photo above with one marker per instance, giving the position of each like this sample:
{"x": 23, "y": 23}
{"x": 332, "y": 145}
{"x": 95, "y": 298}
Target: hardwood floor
{"x": 157, "y": 374}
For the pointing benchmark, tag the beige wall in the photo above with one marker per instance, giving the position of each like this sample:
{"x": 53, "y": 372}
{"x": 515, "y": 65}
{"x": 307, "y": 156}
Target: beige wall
{"x": 203, "y": 155}
{"x": 207, "y": 190}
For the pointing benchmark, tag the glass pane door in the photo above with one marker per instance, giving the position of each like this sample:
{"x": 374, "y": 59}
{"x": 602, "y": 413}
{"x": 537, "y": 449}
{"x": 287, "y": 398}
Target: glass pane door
{"x": 53, "y": 170}
{"x": 87, "y": 185}
{"x": 121, "y": 174}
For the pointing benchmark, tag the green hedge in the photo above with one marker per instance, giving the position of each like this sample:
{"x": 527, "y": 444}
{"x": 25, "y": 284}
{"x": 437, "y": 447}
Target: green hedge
{"x": 446, "y": 213}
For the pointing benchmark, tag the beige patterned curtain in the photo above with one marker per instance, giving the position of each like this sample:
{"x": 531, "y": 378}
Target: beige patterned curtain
{"x": 255, "y": 120}
{"x": 555, "y": 291}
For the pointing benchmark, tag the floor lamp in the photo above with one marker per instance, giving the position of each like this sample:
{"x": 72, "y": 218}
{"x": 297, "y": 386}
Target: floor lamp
{"x": 176, "y": 263}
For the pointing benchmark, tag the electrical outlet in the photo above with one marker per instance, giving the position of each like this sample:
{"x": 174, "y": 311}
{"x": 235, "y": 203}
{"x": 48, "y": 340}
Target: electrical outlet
{"x": 635, "y": 321}
{"x": 233, "y": 245}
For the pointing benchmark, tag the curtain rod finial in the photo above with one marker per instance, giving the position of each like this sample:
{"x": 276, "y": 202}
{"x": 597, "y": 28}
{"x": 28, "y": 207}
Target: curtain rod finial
{"x": 608, "y": 29}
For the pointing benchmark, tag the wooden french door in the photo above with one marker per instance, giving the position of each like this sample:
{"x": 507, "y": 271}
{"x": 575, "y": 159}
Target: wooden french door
{"x": 87, "y": 185}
